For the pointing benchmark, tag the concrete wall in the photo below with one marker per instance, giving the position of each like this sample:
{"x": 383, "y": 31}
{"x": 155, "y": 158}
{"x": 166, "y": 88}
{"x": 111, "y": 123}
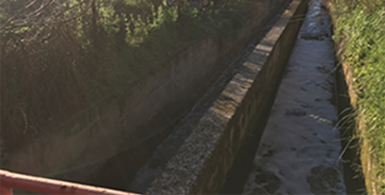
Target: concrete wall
{"x": 131, "y": 125}
{"x": 203, "y": 161}
{"x": 356, "y": 180}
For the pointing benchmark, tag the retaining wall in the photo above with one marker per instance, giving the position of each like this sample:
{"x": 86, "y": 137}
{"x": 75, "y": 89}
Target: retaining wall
{"x": 203, "y": 161}
{"x": 116, "y": 136}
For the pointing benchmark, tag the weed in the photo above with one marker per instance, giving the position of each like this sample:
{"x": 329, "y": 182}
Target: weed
{"x": 362, "y": 25}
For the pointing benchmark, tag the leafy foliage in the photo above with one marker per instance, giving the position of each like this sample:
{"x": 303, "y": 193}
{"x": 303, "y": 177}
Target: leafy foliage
{"x": 60, "y": 57}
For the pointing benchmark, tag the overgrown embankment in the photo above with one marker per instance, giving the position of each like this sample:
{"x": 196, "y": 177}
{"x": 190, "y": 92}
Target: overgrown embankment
{"x": 360, "y": 33}
{"x": 60, "y": 58}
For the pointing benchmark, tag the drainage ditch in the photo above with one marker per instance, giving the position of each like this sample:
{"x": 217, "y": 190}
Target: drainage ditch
{"x": 306, "y": 147}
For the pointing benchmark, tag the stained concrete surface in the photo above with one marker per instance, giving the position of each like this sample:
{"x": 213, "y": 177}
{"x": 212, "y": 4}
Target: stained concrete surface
{"x": 300, "y": 150}
{"x": 165, "y": 151}
{"x": 201, "y": 165}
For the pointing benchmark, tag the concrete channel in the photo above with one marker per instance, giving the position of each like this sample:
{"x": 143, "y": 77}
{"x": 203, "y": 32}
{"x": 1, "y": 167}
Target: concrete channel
{"x": 205, "y": 159}
{"x": 266, "y": 126}
{"x": 261, "y": 135}
{"x": 300, "y": 149}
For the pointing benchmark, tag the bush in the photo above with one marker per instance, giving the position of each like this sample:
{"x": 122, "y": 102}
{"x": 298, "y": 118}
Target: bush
{"x": 60, "y": 57}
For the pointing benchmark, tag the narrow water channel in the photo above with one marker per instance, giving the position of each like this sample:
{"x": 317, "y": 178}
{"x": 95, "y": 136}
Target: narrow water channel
{"x": 300, "y": 149}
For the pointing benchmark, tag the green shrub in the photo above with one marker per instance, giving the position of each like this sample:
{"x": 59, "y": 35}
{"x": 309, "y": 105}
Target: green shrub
{"x": 60, "y": 57}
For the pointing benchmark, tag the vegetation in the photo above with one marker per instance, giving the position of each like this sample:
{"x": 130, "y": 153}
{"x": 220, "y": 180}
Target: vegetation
{"x": 361, "y": 25}
{"x": 60, "y": 57}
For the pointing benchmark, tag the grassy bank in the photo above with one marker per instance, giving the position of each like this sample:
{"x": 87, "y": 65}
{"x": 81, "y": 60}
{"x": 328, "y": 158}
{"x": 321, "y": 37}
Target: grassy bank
{"x": 60, "y": 57}
{"x": 361, "y": 30}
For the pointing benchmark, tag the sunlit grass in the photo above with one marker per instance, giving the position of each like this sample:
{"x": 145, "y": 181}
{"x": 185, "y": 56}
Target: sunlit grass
{"x": 362, "y": 24}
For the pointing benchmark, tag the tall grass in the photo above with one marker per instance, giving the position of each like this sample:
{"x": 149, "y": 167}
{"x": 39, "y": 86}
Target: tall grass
{"x": 362, "y": 25}
{"x": 59, "y": 57}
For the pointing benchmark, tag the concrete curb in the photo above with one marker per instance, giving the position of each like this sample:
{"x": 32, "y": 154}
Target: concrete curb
{"x": 203, "y": 161}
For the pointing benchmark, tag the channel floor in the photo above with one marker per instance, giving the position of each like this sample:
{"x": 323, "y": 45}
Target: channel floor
{"x": 300, "y": 149}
